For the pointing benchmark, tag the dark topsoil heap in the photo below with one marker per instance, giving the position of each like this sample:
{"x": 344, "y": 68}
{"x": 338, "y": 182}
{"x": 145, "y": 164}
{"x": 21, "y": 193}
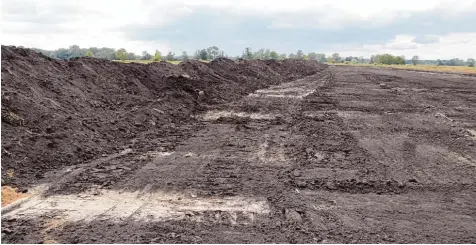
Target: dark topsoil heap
{"x": 57, "y": 113}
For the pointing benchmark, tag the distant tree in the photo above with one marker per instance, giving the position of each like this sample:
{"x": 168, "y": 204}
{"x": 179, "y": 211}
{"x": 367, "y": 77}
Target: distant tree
{"x": 247, "y": 54}
{"x": 106, "y": 53}
{"x": 213, "y": 52}
{"x": 75, "y": 51}
{"x": 273, "y": 55}
{"x": 400, "y": 60}
{"x": 170, "y": 56}
{"x": 89, "y": 53}
{"x": 131, "y": 56}
{"x": 312, "y": 56}
{"x": 471, "y": 62}
{"x": 373, "y": 59}
{"x": 157, "y": 56}
{"x": 299, "y": 55}
{"x": 121, "y": 54}
{"x": 203, "y": 55}
{"x": 388, "y": 59}
{"x": 259, "y": 55}
{"x": 455, "y": 62}
{"x": 184, "y": 55}
{"x": 292, "y": 56}
{"x": 282, "y": 56}
{"x": 146, "y": 55}
{"x": 321, "y": 57}
{"x": 196, "y": 55}
{"x": 439, "y": 62}
{"x": 267, "y": 54}
{"x": 354, "y": 61}
{"x": 336, "y": 57}
{"x": 361, "y": 59}
{"x": 415, "y": 60}
{"x": 94, "y": 50}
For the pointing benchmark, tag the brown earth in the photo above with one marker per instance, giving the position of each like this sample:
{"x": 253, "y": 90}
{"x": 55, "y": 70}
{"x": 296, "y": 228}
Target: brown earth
{"x": 275, "y": 152}
{"x": 10, "y": 195}
{"x": 59, "y": 113}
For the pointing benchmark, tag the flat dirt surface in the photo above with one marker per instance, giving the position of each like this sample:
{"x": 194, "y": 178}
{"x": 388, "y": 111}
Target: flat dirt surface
{"x": 343, "y": 155}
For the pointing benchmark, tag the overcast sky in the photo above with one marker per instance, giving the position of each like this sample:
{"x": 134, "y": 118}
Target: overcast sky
{"x": 431, "y": 29}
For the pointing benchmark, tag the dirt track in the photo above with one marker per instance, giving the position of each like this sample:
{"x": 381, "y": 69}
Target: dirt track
{"x": 346, "y": 155}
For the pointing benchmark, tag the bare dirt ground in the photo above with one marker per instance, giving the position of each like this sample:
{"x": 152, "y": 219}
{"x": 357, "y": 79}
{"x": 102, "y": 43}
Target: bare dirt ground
{"x": 347, "y": 154}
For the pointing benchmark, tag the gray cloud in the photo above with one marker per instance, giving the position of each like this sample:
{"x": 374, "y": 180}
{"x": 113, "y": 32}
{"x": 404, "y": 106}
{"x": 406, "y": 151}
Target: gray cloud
{"x": 426, "y": 39}
{"x": 189, "y": 27}
{"x": 254, "y": 31}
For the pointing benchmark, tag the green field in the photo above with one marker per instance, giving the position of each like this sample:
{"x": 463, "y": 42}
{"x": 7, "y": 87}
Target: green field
{"x": 456, "y": 69}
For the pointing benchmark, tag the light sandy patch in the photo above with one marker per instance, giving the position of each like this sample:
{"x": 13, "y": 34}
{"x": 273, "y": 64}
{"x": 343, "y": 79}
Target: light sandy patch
{"x": 117, "y": 206}
{"x": 214, "y": 115}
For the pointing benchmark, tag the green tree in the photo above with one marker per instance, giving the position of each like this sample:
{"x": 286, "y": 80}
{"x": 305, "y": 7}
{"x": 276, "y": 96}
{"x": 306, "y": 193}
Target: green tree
{"x": 321, "y": 57}
{"x": 336, "y": 57}
{"x": 170, "y": 56}
{"x": 273, "y": 55}
{"x": 89, "y": 53}
{"x": 106, "y": 53}
{"x": 157, "y": 56}
{"x": 213, "y": 52}
{"x": 267, "y": 54}
{"x": 388, "y": 59}
{"x": 184, "y": 55}
{"x": 121, "y": 54}
{"x": 75, "y": 51}
{"x": 299, "y": 55}
{"x": 258, "y": 55}
{"x": 455, "y": 62}
{"x": 471, "y": 62}
{"x": 282, "y": 56}
{"x": 131, "y": 56}
{"x": 146, "y": 55}
{"x": 203, "y": 55}
{"x": 415, "y": 60}
{"x": 247, "y": 54}
{"x": 312, "y": 56}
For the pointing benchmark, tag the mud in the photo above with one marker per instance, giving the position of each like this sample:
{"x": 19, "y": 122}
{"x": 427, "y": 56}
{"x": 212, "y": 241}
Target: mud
{"x": 308, "y": 154}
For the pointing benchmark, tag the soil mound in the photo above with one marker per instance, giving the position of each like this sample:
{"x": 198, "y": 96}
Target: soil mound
{"x": 58, "y": 113}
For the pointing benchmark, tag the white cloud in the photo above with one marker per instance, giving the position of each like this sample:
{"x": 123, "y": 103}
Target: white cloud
{"x": 462, "y": 45}
{"x": 50, "y": 24}
{"x": 54, "y": 24}
{"x": 331, "y": 14}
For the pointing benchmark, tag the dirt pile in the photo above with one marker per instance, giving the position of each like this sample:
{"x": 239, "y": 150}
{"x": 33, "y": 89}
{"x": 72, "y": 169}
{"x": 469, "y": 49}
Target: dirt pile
{"x": 59, "y": 113}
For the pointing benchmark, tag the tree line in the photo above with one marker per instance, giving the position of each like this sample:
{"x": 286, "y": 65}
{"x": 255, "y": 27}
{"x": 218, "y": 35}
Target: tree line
{"x": 213, "y": 52}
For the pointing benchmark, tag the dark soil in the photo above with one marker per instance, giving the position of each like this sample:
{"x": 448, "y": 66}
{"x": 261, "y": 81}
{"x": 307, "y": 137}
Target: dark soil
{"x": 336, "y": 156}
{"x": 61, "y": 113}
